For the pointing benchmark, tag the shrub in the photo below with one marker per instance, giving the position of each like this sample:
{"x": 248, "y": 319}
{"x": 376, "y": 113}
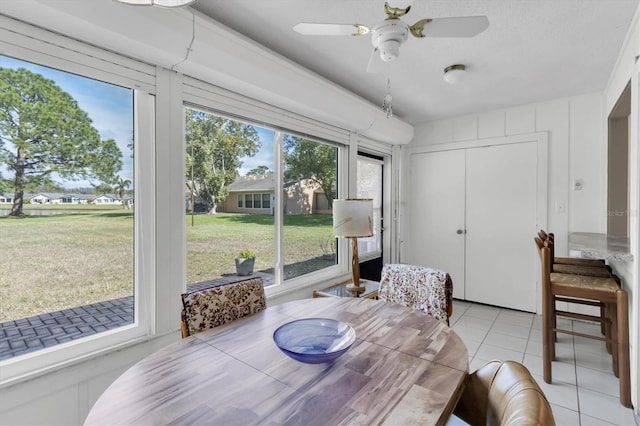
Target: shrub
{"x": 246, "y": 254}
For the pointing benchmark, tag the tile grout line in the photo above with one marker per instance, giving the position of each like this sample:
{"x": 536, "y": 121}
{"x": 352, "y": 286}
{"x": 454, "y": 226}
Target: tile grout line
{"x": 575, "y": 372}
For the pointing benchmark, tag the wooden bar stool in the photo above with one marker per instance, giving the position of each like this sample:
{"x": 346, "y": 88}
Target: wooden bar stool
{"x": 573, "y": 265}
{"x": 592, "y": 291}
{"x": 578, "y": 266}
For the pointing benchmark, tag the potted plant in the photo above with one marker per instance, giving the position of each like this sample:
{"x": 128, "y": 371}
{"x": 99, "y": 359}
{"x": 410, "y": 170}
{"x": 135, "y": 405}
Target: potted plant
{"x": 244, "y": 262}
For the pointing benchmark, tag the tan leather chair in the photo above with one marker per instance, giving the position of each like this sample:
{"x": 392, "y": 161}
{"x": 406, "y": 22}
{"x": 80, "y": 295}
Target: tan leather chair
{"x": 503, "y": 393}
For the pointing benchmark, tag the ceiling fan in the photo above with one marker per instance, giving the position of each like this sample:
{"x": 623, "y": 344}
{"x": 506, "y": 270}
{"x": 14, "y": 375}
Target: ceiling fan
{"x": 388, "y": 35}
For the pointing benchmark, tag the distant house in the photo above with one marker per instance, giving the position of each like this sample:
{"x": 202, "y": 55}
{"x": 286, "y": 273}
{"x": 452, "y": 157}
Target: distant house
{"x": 107, "y": 199}
{"x": 250, "y": 194}
{"x": 256, "y": 194}
{"x": 57, "y": 198}
{"x": 6, "y": 198}
{"x": 304, "y": 197}
{"x": 43, "y": 198}
{"x": 73, "y": 199}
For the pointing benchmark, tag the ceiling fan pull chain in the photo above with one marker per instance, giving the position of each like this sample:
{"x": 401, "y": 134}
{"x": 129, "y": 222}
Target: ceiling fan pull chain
{"x": 386, "y": 101}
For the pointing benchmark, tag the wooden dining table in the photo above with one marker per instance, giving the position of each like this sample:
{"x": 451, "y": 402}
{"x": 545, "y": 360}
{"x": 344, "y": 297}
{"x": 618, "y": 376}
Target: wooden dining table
{"x": 404, "y": 368}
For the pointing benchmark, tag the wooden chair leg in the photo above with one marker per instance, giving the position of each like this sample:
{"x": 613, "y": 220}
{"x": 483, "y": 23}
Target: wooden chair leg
{"x": 547, "y": 334}
{"x": 623, "y": 347}
{"x": 554, "y": 324}
{"x": 608, "y": 320}
{"x": 614, "y": 339}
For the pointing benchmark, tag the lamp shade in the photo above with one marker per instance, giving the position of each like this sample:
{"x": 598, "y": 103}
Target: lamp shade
{"x": 353, "y": 217}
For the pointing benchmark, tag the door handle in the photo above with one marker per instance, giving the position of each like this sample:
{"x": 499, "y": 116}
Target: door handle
{"x": 459, "y": 231}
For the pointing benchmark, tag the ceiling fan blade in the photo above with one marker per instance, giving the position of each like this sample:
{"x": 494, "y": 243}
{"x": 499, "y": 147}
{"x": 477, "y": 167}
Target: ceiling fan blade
{"x": 463, "y": 26}
{"x": 310, "y": 28}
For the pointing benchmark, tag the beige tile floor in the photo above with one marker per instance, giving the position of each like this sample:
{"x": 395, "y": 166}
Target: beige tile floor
{"x": 584, "y": 390}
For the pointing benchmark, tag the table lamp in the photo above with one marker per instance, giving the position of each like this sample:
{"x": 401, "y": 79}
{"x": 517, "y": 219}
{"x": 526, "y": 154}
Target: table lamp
{"x": 353, "y": 218}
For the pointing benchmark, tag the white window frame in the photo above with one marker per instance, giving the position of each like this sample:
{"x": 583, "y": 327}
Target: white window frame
{"x": 31, "y": 44}
{"x": 206, "y": 97}
{"x": 378, "y": 227}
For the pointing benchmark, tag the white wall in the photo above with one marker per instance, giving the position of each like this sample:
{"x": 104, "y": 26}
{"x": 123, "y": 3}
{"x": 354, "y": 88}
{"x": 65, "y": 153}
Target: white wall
{"x": 576, "y": 151}
{"x": 627, "y": 69}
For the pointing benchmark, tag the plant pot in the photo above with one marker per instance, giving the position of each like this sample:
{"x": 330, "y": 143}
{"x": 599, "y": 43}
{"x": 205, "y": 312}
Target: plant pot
{"x": 244, "y": 266}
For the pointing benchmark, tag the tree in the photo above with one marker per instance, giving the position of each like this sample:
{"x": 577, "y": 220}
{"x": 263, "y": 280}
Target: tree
{"x": 258, "y": 171}
{"x": 44, "y": 133}
{"x": 121, "y": 190}
{"x": 5, "y": 185}
{"x": 305, "y": 159}
{"x": 215, "y": 146}
{"x": 102, "y": 188}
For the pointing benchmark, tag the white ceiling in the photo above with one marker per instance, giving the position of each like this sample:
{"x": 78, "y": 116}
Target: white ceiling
{"x": 533, "y": 50}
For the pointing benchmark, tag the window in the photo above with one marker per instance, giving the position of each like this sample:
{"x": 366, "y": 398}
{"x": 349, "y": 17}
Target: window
{"x": 225, "y": 158}
{"x": 308, "y": 172}
{"x": 370, "y": 186}
{"x": 255, "y": 201}
{"x": 68, "y": 262}
{"x": 108, "y": 100}
{"x": 153, "y": 205}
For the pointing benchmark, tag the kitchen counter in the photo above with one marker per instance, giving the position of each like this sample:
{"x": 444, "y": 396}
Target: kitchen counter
{"x": 599, "y": 246}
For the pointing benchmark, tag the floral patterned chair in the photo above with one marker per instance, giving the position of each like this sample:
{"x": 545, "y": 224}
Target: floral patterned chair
{"x": 215, "y": 306}
{"x": 423, "y": 289}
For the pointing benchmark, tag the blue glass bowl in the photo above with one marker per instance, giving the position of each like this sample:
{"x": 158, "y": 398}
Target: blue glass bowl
{"x": 314, "y": 340}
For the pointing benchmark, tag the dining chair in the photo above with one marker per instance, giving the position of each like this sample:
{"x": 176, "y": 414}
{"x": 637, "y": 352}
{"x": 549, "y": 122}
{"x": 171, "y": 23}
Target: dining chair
{"x": 544, "y": 236}
{"x": 601, "y": 292}
{"x": 503, "y": 393}
{"x": 424, "y": 289}
{"x": 580, "y": 266}
{"x": 215, "y": 306}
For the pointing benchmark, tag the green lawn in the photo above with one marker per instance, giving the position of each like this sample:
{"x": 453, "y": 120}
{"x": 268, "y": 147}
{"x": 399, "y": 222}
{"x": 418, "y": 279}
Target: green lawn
{"x": 85, "y": 254}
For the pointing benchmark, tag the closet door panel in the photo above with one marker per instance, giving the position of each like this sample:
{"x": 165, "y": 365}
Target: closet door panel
{"x": 436, "y": 206}
{"x": 501, "y": 199}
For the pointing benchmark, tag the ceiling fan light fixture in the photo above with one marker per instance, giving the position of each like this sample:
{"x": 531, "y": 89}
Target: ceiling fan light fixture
{"x": 389, "y": 50}
{"x": 387, "y": 38}
{"x": 161, "y": 3}
{"x": 454, "y": 73}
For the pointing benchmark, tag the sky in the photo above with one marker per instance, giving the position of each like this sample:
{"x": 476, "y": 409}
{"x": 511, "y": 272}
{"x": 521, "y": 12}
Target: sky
{"x": 264, "y": 157}
{"x": 110, "y": 108}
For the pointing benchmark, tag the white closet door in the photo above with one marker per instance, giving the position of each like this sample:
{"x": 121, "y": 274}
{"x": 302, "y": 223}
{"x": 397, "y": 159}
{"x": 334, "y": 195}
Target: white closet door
{"x": 436, "y": 223}
{"x": 501, "y": 223}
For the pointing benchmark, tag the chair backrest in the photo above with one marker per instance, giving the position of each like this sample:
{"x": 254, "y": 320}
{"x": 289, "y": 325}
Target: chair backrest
{"x": 423, "y": 289}
{"x": 215, "y": 306}
{"x": 545, "y": 259}
{"x": 504, "y": 393}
